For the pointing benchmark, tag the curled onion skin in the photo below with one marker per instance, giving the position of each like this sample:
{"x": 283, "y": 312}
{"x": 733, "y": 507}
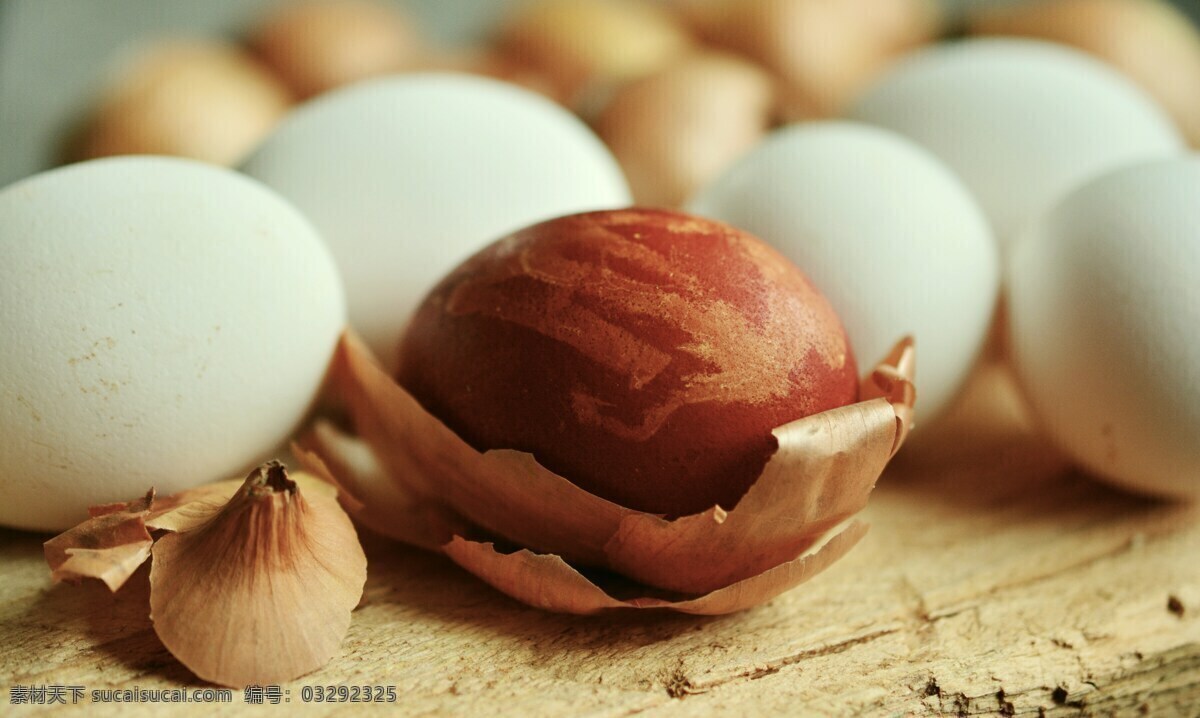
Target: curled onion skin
{"x": 406, "y": 475}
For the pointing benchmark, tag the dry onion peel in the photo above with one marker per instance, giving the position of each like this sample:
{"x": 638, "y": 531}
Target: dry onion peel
{"x": 116, "y": 540}
{"x": 262, "y": 591}
{"x": 839, "y": 453}
{"x": 252, "y": 581}
{"x": 367, "y": 496}
{"x": 109, "y": 546}
{"x": 548, "y": 582}
{"x": 768, "y": 538}
{"x": 186, "y": 510}
{"x": 505, "y": 492}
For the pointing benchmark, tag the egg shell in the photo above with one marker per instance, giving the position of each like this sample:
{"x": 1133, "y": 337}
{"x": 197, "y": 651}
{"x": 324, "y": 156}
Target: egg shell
{"x": 317, "y": 45}
{"x": 824, "y": 53}
{"x": 1022, "y": 122}
{"x": 496, "y": 64}
{"x": 406, "y": 177}
{"x": 165, "y": 323}
{"x": 884, "y": 230}
{"x": 900, "y": 24}
{"x": 582, "y": 42}
{"x": 892, "y": 23}
{"x": 189, "y": 98}
{"x": 1151, "y": 41}
{"x": 1104, "y": 311}
{"x": 643, "y": 355}
{"x": 674, "y": 130}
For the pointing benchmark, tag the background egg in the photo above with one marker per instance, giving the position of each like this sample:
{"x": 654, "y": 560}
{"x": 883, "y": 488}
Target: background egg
{"x": 1151, "y": 41}
{"x": 165, "y": 323}
{"x": 676, "y": 129}
{"x": 406, "y": 177}
{"x": 1104, "y": 311}
{"x": 824, "y": 53}
{"x": 884, "y": 230}
{"x": 598, "y": 42}
{"x": 317, "y": 45}
{"x": 201, "y": 99}
{"x": 1022, "y": 122}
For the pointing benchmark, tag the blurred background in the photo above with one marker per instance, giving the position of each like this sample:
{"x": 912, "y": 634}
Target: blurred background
{"x": 57, "y": 57}
{"x": 55, "y": 53}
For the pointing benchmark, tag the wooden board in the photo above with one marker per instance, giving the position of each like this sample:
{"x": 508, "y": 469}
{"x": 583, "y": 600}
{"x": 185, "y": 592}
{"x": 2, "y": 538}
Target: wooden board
{"x": 993, "y": 582}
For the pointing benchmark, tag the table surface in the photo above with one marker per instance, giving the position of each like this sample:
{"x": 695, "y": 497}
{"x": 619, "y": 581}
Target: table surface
{"x": 993, "y": 581}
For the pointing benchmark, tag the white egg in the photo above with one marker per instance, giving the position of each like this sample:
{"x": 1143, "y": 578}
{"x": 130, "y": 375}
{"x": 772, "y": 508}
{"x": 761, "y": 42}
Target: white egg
{"x": 1022, "y": 122}
{"x": 884, "y": 230}
{"x": 1105, "y": 325}
{"x": 165, "y": 323}
{"x": 408, "y": 176}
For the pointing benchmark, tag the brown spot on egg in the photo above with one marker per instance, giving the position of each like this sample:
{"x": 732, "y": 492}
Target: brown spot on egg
{"x": 643, "y": 354}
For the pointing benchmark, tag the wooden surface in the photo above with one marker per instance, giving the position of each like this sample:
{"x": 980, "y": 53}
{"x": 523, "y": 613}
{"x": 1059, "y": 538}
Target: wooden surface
{"x": 993, "y": 582}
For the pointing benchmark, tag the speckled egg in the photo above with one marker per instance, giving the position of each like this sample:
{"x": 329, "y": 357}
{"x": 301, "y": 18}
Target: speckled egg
{"x": 165, "y": 323}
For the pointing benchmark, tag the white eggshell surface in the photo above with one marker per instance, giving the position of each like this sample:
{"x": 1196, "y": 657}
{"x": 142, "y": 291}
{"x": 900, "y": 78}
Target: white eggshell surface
{"x": 1105, "y": 325}
{"x": 1022, "y": 122}
{"x": 884, "y": 230}
{"x": 405, "y": 177}
{"x": 164, "y": 323}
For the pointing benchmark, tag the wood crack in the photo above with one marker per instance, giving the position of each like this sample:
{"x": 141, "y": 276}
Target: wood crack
{"x": 927, "y": 614}
{"x": 1166, "y": 684}
{"x": 688, "y": 686}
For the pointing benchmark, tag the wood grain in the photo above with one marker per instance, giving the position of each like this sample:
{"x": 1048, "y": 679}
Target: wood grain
{"x": 994, "y": 581}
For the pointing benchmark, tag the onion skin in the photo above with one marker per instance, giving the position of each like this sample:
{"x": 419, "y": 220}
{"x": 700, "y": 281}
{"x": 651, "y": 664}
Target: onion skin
{"x": 644, "y": 355}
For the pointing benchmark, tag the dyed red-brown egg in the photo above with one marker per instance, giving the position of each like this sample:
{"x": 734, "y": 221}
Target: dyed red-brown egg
{"x": 644, "y": 355}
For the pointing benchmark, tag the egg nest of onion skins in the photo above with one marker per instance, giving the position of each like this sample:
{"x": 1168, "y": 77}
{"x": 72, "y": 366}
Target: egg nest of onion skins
{"x": 625, "y": 293}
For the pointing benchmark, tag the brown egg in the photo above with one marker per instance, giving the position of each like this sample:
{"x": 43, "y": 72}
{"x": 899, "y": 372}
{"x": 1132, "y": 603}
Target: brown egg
{"x": 1150, "y": 41}
{"x": 317, "y": 45}
{"x": 204, "y": 100}
{"x": 643, "y": 355}
{"x": 817, "y": 48}
{"x": 899, "y": 24}
{"x": 893, "y": 24}
{"x": 582, "y": 42}
{"x": 678, "y": 128}
{"x": 491, "y": 62}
